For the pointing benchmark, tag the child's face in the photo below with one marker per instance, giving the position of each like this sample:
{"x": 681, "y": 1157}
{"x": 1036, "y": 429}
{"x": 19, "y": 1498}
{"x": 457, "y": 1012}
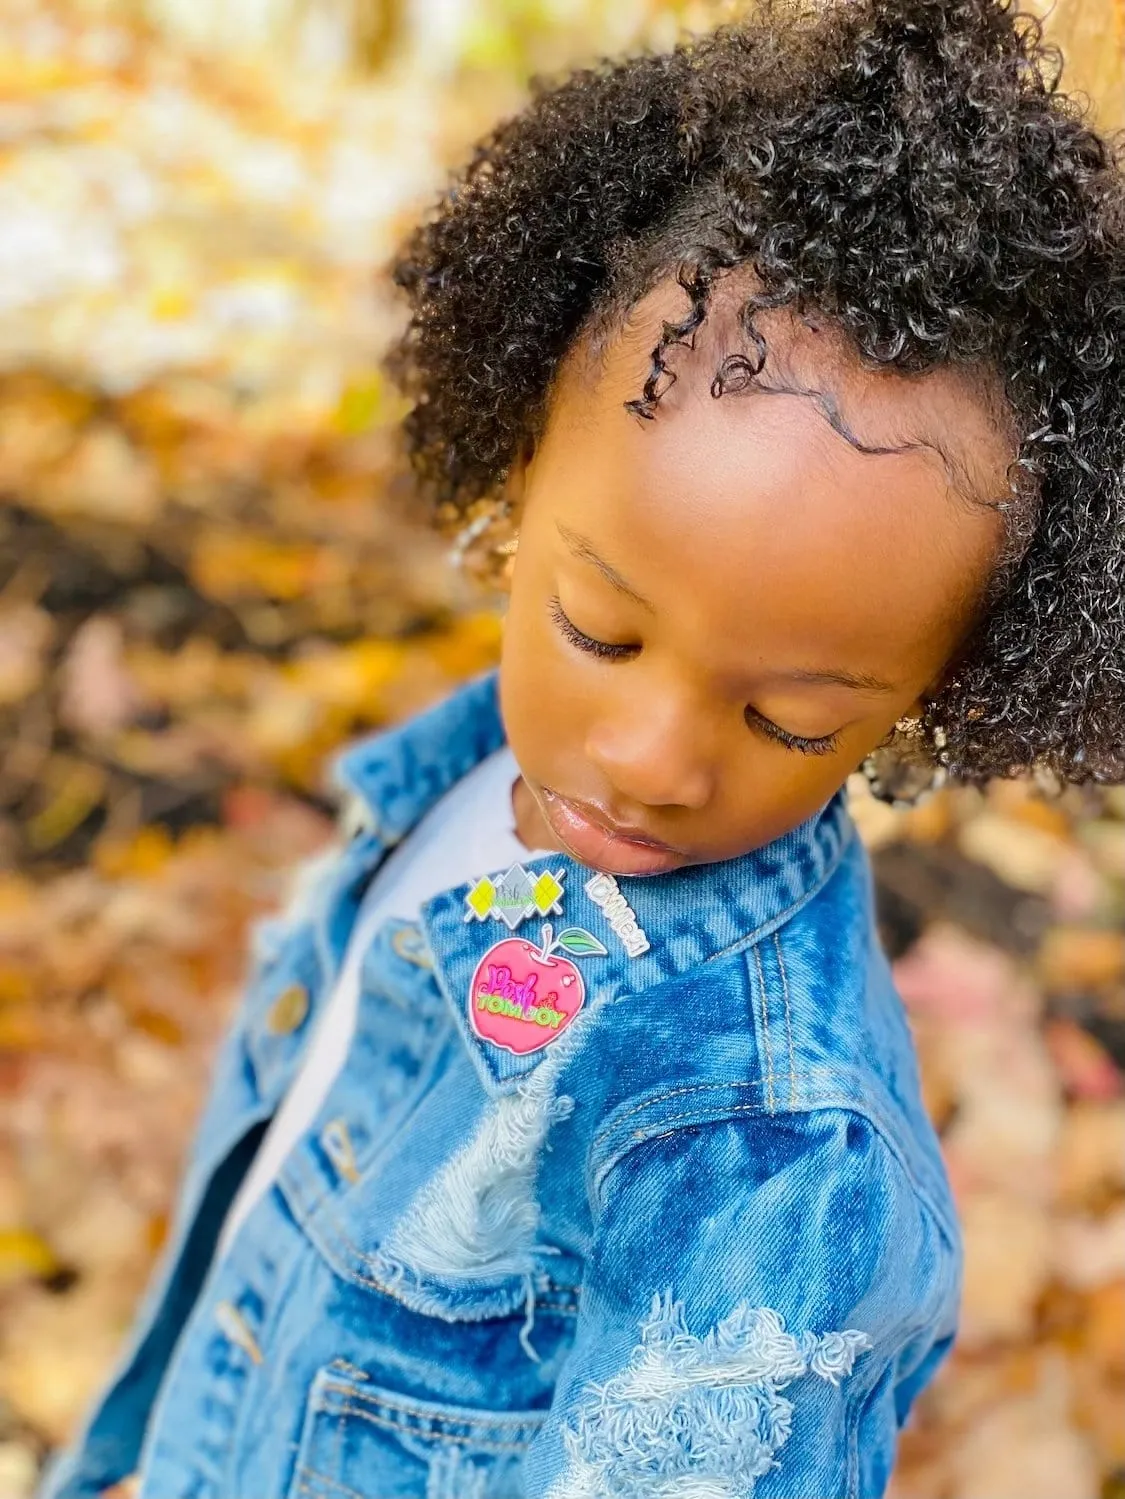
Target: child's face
{"x": 684, "y": 587}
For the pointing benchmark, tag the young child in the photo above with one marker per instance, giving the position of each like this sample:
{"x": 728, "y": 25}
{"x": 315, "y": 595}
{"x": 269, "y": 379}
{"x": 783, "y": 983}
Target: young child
{"x": 568, "y": 1144}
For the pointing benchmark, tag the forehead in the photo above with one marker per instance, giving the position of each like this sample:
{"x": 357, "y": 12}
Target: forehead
{"x": 754, "y": 509}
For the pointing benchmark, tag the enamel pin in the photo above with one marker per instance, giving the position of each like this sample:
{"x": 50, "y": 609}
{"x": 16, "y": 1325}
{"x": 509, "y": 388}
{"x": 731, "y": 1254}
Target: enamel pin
{"x": 605, "y": 892}
{"x": 523, "y": 997}
{"x": 515, "y": 897}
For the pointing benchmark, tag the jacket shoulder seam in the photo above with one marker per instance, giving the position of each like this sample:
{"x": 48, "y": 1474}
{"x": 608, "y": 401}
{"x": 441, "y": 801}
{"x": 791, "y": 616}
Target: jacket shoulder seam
{"x": 930, "y": 1216}
{"x": 626, "y": 1129}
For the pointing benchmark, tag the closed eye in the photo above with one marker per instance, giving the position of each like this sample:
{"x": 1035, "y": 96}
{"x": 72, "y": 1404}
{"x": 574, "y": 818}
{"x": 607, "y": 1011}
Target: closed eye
{"x": 605, "y": 649}
{"x": 825, "y": 745}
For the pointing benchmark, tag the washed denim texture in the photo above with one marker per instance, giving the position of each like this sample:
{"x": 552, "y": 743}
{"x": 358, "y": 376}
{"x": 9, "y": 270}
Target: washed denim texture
{"x": 702, "y": 1245}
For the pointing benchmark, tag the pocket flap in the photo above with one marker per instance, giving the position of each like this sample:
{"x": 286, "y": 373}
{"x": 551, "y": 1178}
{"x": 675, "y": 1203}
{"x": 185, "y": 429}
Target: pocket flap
{"x": 362, "y": 1440}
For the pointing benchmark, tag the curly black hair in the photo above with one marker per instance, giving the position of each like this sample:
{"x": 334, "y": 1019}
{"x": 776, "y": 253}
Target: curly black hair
{"x": 909, "y": 170}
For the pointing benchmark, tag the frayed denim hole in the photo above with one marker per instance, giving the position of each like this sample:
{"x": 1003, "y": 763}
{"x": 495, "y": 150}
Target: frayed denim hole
{"x": 479, "y": 1215}
{"x": 696, "y": 1415}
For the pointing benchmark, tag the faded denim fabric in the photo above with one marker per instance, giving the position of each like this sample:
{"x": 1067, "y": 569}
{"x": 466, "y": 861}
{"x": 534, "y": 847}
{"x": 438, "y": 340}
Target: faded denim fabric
{"x": 701, "y": 1246}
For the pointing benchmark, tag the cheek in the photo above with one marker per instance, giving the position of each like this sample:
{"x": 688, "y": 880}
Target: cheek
{"x": 544, "y": 696}
{"x": 526, "y": 644}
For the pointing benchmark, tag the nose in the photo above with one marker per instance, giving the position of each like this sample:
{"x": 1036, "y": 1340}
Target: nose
{"x": 655, "y": 756}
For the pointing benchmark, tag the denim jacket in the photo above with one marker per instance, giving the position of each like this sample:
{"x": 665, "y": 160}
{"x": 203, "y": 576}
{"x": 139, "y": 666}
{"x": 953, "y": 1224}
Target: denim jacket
{"x": 696, "y": 1244}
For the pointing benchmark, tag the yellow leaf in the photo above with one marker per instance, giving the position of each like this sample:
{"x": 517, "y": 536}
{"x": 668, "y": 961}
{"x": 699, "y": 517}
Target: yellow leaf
{"x": 143, "y": 855}
{"x": 24, "y": 1254}
{"x": 20, "y": 1030}
{"x": 472, "y": 645}
{"x": 15, "y": 986}
{"x": 170, "y": 303}
{"x": 80, "y": 788}
{"x": 361, "y": 406}
{"x": 350, "y": 677}
{"x": 231, "y": 564}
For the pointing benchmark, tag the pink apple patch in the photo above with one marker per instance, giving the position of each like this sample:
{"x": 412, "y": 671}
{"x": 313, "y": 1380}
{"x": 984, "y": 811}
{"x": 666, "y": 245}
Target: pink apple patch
{"x": 522, "y": 996}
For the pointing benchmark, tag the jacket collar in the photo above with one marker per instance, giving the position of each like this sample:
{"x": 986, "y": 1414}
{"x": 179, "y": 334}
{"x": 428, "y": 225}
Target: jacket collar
{"x": 396, "y": 777}
{"x": 688, "y": 917}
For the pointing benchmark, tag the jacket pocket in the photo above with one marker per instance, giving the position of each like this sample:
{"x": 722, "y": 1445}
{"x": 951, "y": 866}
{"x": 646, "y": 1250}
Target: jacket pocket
{"x": 359, "y": 1441}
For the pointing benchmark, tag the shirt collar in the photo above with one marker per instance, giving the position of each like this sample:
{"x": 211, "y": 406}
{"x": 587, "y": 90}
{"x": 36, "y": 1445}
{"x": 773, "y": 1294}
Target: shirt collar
{"x": 688, "y": 917}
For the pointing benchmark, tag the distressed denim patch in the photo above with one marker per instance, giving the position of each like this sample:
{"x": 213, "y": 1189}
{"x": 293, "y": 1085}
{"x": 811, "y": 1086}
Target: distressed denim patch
{"x": 697, "y": 1417}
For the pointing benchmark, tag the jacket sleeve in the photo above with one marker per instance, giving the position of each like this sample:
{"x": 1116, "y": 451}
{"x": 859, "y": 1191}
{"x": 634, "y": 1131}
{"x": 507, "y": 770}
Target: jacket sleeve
{"x": 762, "y": 1300}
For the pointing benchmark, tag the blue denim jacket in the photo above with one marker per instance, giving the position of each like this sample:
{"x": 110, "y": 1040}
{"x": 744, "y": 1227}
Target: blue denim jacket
{"x": 700, "y": 1246}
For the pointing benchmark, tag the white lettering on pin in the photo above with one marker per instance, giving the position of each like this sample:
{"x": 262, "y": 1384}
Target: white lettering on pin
{"x": 605, "y": 892}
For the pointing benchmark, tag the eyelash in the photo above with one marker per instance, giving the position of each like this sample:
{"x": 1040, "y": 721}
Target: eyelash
{"x": 823, "y": 746}
{"x": 587, "y": 643}
{"x": 606, "y": 651}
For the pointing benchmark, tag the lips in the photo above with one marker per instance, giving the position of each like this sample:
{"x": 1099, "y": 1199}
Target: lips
{"x": 594, "y": 839}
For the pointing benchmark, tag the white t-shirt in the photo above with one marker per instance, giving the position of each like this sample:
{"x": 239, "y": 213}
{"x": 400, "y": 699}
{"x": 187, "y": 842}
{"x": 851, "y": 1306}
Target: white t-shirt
{"x": 470, "y": 831}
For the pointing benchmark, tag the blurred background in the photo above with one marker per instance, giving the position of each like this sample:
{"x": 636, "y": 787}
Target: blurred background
{"x": 210, "y": 576}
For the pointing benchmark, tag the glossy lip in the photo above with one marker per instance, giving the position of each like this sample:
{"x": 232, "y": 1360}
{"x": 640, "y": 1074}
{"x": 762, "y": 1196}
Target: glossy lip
{"x": 594, "y": 839}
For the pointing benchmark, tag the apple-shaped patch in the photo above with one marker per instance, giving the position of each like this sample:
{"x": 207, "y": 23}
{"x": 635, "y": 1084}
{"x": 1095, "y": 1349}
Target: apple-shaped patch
{"x": 524, "y": 997}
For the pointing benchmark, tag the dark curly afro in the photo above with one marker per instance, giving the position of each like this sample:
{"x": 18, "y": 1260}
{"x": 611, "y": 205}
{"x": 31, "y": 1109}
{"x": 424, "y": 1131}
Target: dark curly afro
{"x": 910, "y": 171}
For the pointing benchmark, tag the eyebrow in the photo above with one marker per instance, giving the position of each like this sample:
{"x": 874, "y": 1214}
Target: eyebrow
{"x": 583, "y": 549}
{"x": 862, "y": 681}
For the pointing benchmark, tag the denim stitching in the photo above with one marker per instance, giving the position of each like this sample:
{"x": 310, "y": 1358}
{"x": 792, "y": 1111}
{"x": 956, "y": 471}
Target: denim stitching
{"x": 480, "y": 1443}
{"x": 710, "y": 1088}
{"x": 765, "y": 1026}
{"x": 338, "y": 1449}
{"x": 749, "y": 1108}
{"x": 323, "y": 1479}
{"x": 734, "y": 1108}
{"x": 868, "y": 1110}
{"x": 660, "y": 1098}
{"x": 386, "y": 1401}
{"x": 855, "y": 1409}
{"x": 788, "y": 1017}
{"x": 725, "y": 1111}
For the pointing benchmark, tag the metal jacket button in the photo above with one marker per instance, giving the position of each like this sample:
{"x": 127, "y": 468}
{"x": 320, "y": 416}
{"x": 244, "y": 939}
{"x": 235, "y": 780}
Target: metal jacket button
{"x": 288, "y": 1010}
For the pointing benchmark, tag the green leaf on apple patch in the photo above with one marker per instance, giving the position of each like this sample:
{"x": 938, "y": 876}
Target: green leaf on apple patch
{"x": 580, "y": 943}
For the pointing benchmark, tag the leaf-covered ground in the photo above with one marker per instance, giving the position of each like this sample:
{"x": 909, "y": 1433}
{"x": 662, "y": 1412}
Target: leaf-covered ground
{"x": 210, "y": 577}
